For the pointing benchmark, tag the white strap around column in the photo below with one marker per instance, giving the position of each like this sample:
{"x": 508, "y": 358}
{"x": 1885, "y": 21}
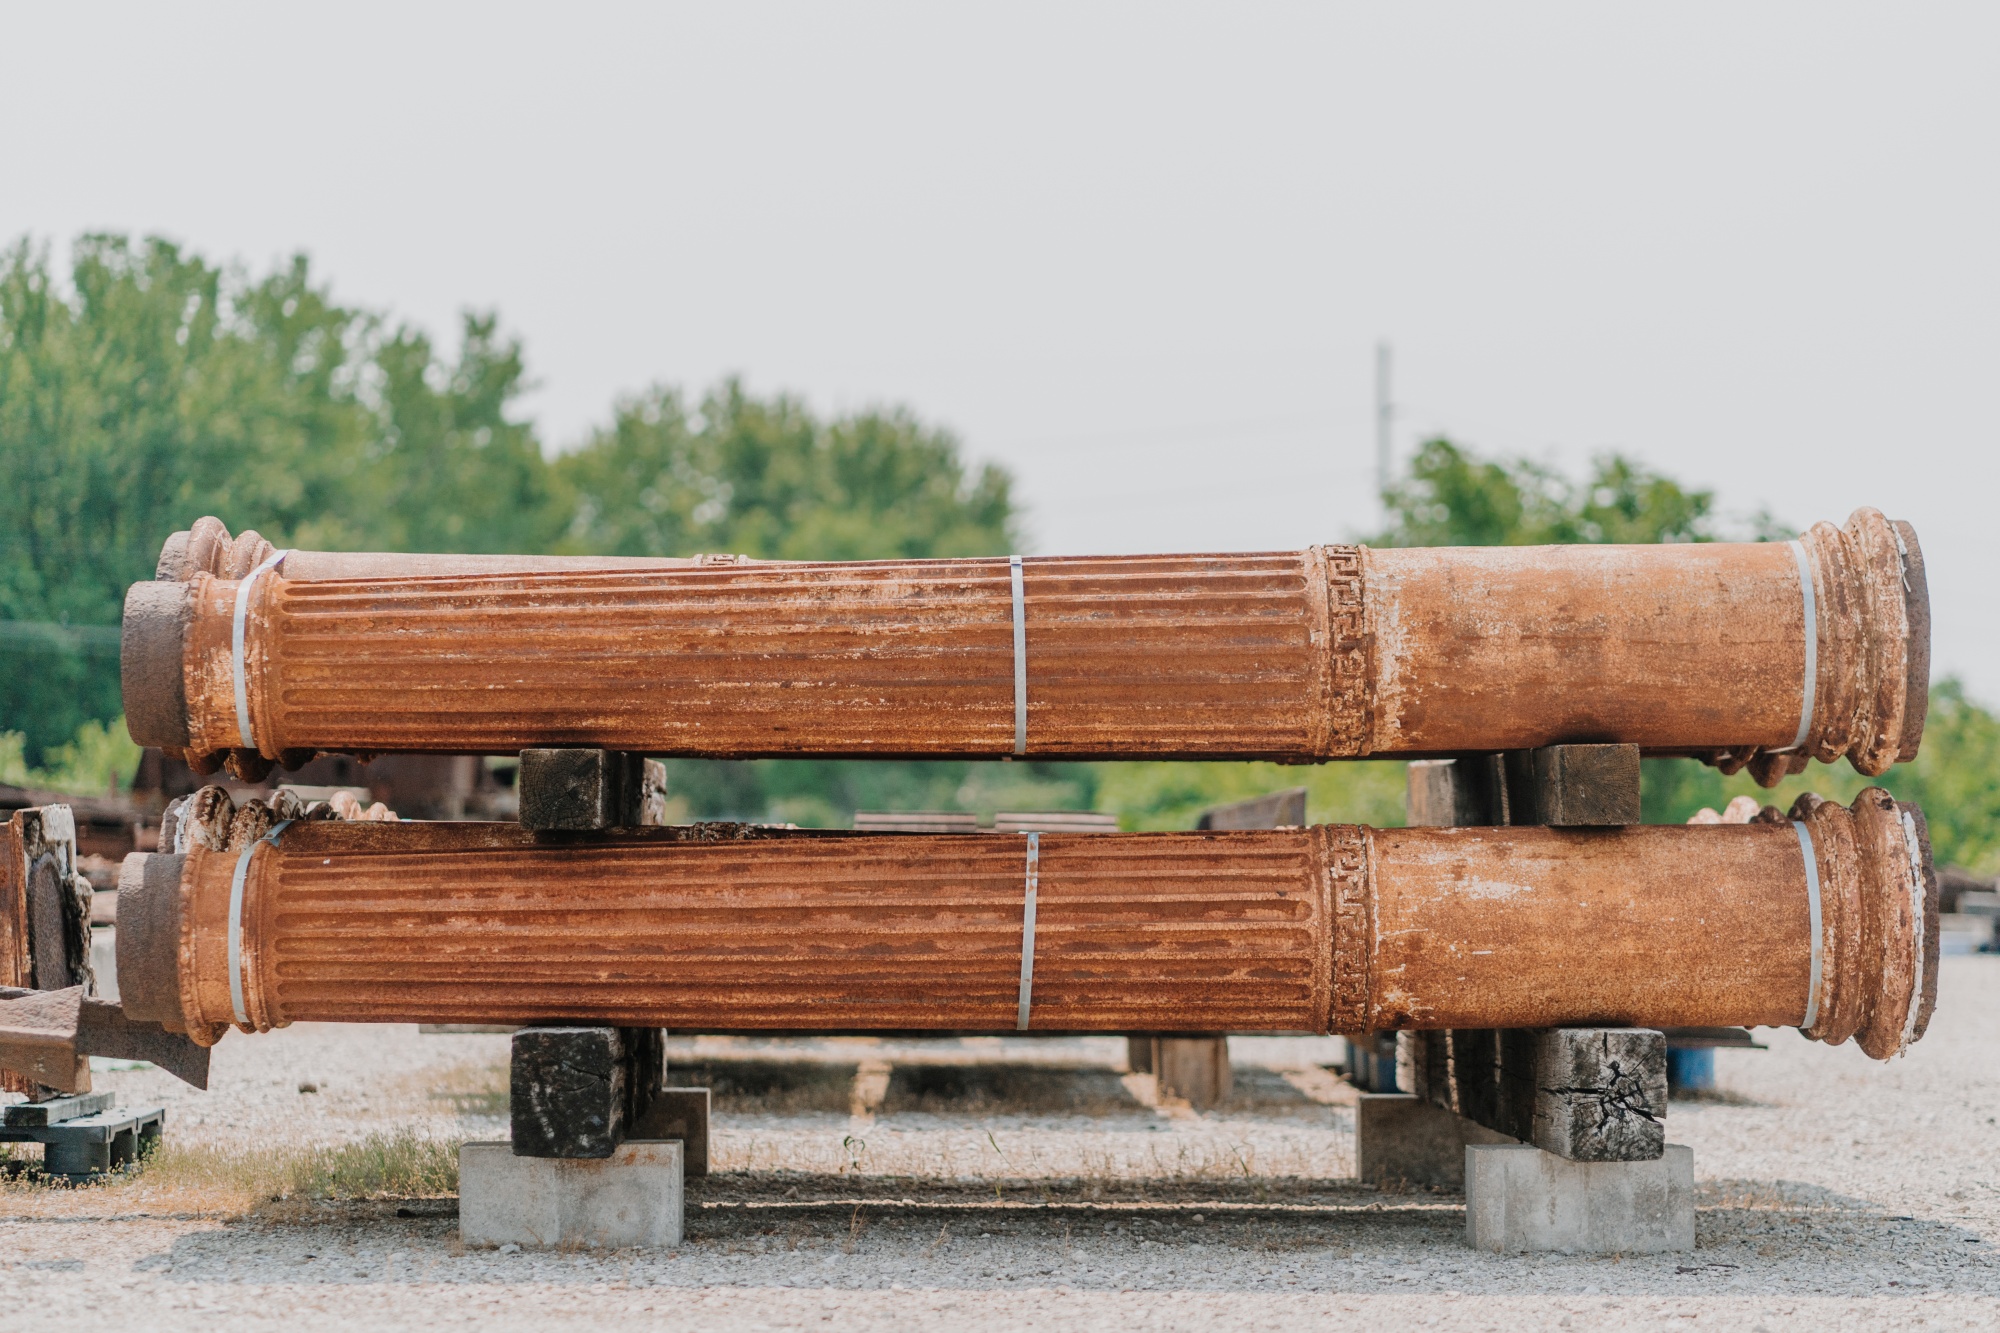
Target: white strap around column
{"x": 1034, "y": 874}
{"x": 1813, "y": 917}
{"x": 236, "y": 635}
{"x": 1806, "y": 593}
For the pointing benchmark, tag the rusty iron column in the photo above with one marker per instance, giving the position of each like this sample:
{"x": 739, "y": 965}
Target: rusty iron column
{"x": 1828, "y": 923}
{"x": 1761, "y": 654}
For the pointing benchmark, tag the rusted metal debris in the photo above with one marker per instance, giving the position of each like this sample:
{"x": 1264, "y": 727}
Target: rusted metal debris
{"x": 44, "y": 902}
{"x": 48, "y": 1036}
{"x": 1332, "y": 652}
{"x": 50, "y": 1025}
{"x": 1330, "y": 928}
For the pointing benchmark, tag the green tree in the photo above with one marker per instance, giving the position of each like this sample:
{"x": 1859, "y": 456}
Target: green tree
{"x": 146, "y": 387}
{"x": 154, "y": 388}
{"x": 765, "y": 477}
{"x": 1454, "y": 498}
{"x": 447, "y": 467}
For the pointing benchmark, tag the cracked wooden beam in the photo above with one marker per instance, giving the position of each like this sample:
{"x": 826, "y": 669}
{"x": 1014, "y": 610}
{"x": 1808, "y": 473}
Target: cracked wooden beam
{"x": 1332, "y": 652}
{"x": 1330, "y": 928}
{"x": 1589, "y": 1094}
{"x": 579, "y": 1091}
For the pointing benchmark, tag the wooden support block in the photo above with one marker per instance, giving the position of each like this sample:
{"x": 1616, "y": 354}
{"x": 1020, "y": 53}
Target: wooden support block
{"x": 1574, "y": 786}
{"x": 1451, "y": 793}
{"x": 1598, "y": 1094}
{"x": 1278, "y": 809}
{"x": 57, "y": 1109}
{"x": 576, "y": 1091}
{"x": 679, "y": 1113}
{"x": 1562, "y": 786}
{"x": 585, "y": 790}
{"x": 1585, "y": 1094}
{"x": 1195, "y": 1068}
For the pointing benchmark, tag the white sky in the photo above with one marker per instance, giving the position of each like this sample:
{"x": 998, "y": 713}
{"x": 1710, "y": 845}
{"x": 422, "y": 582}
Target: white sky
{"x": 1138, "y": 254}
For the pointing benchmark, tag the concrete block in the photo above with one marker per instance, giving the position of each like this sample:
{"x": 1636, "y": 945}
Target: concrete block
{"x": 679, "y": 1113}
{"x": 1400, "y": 1139}
{"x": 1519, "y": 1198}
{"x": 632, "y": 1198}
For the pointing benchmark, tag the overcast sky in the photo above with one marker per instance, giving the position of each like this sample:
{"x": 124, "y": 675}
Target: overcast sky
{"x": 1141, "y": 255}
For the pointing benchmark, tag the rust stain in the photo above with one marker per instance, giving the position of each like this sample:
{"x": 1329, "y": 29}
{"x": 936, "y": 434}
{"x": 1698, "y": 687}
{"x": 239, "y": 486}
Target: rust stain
{"x": 1329, "y": 928}
{"x": 1333, "y": 652}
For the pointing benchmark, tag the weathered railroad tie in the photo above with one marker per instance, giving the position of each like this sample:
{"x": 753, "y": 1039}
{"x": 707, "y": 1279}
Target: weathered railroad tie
{"x": 1332, "y": 652}
{"x": 1828, "y": 923}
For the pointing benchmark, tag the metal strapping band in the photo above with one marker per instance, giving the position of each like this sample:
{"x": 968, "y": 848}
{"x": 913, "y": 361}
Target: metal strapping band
{"x": 236, "y": 921}
{"x": 1918, "y": 892}
{"x": 1028, "y": 934}
{"x": 1813, "y": 914}
{"x": 1020, "y": 658}
{"x": 1812, "y": 642}
{"x": 243, "y": 587}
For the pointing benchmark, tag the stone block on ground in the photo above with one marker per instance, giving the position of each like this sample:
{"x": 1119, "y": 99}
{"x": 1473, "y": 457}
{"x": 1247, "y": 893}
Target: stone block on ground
{"x": 632, "y": 1198}
{"x": 1519, "y": 1199}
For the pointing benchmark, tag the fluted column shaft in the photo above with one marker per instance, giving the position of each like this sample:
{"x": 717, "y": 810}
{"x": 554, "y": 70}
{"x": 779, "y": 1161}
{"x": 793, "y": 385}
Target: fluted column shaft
{"x": 1332, "y": 652}
{"x": 1333, "y": 928}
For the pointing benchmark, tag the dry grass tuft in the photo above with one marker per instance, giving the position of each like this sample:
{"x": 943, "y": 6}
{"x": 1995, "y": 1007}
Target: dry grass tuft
{"x": 399, "y": 1165}
{"x": 208, "y": 1180}
{"x": 477, "y": 1088}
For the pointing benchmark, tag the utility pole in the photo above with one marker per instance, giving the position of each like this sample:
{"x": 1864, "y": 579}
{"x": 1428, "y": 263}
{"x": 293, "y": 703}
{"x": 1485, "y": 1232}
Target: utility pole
{"x": 1385, "y": 416}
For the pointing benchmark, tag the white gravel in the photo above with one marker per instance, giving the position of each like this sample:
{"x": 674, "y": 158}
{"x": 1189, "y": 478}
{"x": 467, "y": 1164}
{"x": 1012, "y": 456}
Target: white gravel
{"x": 1835, "y": 1193}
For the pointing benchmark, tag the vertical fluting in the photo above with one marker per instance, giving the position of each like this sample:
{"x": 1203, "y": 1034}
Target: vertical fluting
{"x": 1332, "y": 652}
{"x": 1331, "y": 928}
{"x": 1133, "y": 932}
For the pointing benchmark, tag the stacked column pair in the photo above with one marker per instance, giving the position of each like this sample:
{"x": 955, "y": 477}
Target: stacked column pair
{"x": 1758, "y": 655}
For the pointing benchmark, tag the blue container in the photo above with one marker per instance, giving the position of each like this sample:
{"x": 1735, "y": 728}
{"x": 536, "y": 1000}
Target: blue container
{"x": 1691, "y": 1069}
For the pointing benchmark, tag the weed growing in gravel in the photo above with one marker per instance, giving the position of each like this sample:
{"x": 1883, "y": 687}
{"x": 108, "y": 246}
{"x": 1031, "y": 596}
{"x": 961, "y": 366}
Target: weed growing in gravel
{"x": 401, "y": 1165}
{"x": 472, "y": 1088}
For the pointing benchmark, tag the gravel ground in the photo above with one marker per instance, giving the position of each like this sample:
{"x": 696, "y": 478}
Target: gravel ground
{"x": 875, "y": 1184}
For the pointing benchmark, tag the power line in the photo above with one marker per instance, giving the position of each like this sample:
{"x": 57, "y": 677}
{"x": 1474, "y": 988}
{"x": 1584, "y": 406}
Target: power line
{"x": 1385, "y": 417}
